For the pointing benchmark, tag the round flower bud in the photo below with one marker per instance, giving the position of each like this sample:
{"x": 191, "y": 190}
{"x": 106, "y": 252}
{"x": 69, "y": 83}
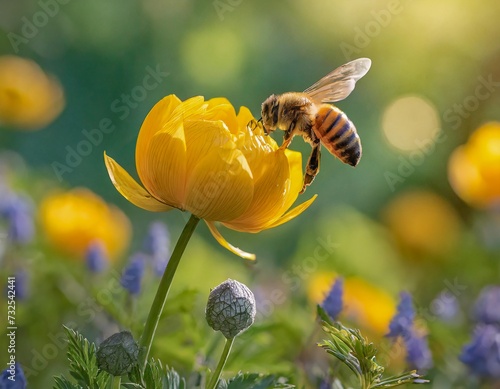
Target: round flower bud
{"x": 118, "y": 353}
{"x": 230, "y": 308}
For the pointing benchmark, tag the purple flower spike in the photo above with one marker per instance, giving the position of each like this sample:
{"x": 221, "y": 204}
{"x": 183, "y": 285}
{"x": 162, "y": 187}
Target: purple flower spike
{"x": 487, "y": 308}
{"x": 132, "y": 275}
{"x": 418, "y": 354}
{"x": 402, "y": 322}
{"x": 482, "y": 354}
{"x": 13, "y": 378}
{"x": 96, "y": 257}
{"x": 18, "y": 211}
{"x": 333, "y": 302}
{"x": 157, "y": 246}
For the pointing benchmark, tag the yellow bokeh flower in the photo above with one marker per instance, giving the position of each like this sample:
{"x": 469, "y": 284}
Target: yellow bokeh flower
{"x": 474, "y": 168}
{"x": 199, "y": 156}
{"x": 29, "y": 98}
{"x": 368, "y": 305}
{"x": 72, "y": 220}
{"x": 422, "y": 223}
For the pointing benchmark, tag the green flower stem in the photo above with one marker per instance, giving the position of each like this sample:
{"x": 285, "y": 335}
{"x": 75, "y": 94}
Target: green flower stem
{"x": 162, "y": 292}
{"x": 222, "y": 361}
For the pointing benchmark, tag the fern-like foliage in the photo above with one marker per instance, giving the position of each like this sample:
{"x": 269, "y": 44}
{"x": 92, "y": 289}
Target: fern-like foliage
{"x": 353, "y": 350}
{"x": 255, "y": 381}
{"x": 63, "y": 383}
{"x": 173, "y": 380}
{"x": 82, "y": 365}
{"x": 155, "y": 377}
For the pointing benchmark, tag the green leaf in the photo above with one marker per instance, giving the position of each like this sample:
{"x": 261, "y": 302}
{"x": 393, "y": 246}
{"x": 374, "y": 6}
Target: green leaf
{"x": 156, "y": 377}
{"x": 222, "y": 384}
{"x": 83, "y": 364}
{"x": 183, "y": 302}
{"x": 135, "y": 374}
{"x": 323, "y": 315}
{"x": 173, "y": 380}
{"x": 153, "y": 374}
{"x": 63, "y": 383}
{"x": 406, "y": 378}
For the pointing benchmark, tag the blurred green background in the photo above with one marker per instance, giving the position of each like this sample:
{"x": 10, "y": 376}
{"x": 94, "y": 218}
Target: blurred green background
{"x": 429, "y": 57}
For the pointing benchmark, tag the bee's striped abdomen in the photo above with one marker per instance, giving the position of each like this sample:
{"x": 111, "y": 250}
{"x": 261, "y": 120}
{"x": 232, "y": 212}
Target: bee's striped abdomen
{"x": 338, "y": 134}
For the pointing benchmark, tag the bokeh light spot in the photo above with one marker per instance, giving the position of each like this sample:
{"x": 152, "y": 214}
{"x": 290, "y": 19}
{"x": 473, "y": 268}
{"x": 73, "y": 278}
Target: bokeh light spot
{"x": 212, "y": 56}
{"x": 424, "y": 225}
{"x": 409, "y": 122}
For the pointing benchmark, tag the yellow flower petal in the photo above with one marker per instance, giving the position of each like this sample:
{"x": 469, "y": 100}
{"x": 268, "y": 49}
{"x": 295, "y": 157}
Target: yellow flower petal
{"x": 155, "y": 121}
{"x": 130, "y": 189}
{"x": 296, "y": 178}
{"x": 220, "y": 187}
{"x": 201, "y": 137}
{"x": 244, "y": 117}
{"x": 220, "y": 108}
{"x": 270, "y": 214}
{"x": 165, "y": 167}
{"x": 252, "y": 141}
{"x": 293, "y": 213}
{"x": 190, "y": 109}
{"x": 217, "y": 101}
{"x": 220, "y": 239}
{"x": 268, "y": 194}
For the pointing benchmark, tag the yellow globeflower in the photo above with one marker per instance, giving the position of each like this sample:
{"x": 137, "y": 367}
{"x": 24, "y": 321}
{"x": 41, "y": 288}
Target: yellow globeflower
{"x": 364, "y": 303}
{"x": 422, "y": 223}
{"x": 474, "y": 168}
{"x": 72, "y": 220}
{"x": 29, "y": 99}
{"x": 368, "y": 304}
{"x": 199, "y": 156}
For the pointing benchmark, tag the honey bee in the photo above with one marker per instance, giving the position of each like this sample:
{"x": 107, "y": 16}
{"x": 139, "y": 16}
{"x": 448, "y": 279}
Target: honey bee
{"x": 311, "y": 115}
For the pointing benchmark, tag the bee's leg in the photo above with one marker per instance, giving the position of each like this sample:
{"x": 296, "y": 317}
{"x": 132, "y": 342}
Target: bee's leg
{"x": 252, "y": 124}
{"x": 289, "y": 133}
{"x": 312, "y": 167}
{"x": 287, "y": 139}
{"x": 286, "y": 142}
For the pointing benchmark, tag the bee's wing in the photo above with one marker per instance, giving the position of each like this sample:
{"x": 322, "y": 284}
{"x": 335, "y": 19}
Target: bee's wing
{"x": 339, "y": 84}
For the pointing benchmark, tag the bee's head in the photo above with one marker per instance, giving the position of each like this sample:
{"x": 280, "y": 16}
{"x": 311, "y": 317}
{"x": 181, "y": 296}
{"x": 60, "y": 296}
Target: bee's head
{"x": 270, "y": 114}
